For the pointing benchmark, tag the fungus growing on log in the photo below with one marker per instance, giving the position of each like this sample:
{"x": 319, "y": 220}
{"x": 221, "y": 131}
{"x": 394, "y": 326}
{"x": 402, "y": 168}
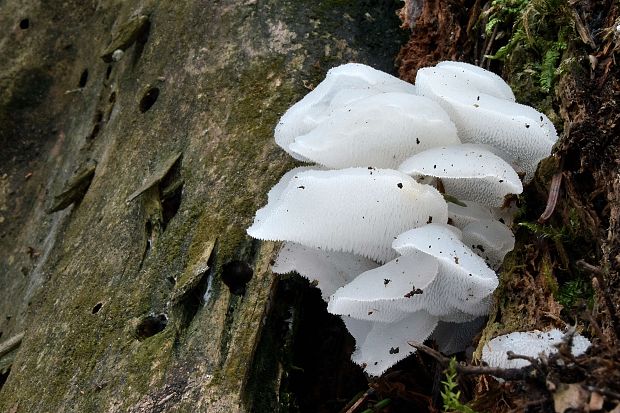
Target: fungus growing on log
{"x": 521, "y": 133}
{"x": 356, "y": 210}
{"x": 343, "y": 84}
{"x": 355, "y": 134}
{"x": 329, "y": 270}
{"x": 376, "y": 241}
{"x": 468, "y": 172}
{"x": 530, "y": 344}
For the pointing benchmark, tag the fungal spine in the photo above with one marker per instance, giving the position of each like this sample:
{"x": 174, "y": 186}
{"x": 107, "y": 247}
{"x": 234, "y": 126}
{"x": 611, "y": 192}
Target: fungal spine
{"x": 404, "y": 162}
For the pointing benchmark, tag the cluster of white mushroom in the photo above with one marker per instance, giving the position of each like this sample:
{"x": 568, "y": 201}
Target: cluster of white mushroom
{"x": 370, "y": 223}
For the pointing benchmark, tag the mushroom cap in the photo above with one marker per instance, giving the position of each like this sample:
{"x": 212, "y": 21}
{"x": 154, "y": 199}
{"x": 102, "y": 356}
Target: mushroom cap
{"x": 469, "y": 172}
{"x": 357, "y": 210}
{"x": 380, "y": 130}
{"x": 490, "y": 239}
{"x": 460, "y": 215}
{"x": 310, "y": 111}
{"x": 525, "y": 135}
{"x": 528, "y": 343}
{"x": 330, "y": 269}
{"x": 466, "y": 275}
{"x": 378, "y": 346}
{"x": 478, "y": 78}
{"x": 442, "y": 300}
{"x": 378, "y": 294}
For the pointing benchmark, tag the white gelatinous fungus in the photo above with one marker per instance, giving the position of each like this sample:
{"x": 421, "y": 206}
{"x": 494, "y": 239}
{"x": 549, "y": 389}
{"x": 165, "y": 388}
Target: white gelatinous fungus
{"x": 310, "y": 111}
{"x": 379, "y": 346}
{"x": 381, "y": 130}
{"x": 341, "y": 223}
{"x": 529, "y": 343}
{"x": 379, "y": 294}
{"x": 468, "y": 212}
{"x": 525, "y": 135}
{"x": 465, "y": 278}
{"x": 357, "y": 210}
{"x": 329, "y": 269}
{"x": 490, "y": 239}
{"x": 478, "y": 78}
{"x": 468, "y": 172}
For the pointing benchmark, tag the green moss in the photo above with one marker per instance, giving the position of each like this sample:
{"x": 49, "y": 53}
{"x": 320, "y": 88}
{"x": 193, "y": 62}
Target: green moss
{"x": 151, "y": 354}
{"x": 539, "y": 32}
{"x": 546, "y": 272}
{"x": 574, "y": 292}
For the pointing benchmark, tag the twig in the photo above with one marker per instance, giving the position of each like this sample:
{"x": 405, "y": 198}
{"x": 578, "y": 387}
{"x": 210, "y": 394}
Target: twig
{"x": 487, "y": 49}
{"x": 597, "y": 329}
{"x": 604, "y": 392}
{"x": 552, "y": 200}
{"x": 523, "y": 373}
{"x": 359, "y": 401}
{"x": 11, "y": 344}
{"x": 598, "y": 282}
{"x": 513, "y": 356}
{"x": 589, "y": 267}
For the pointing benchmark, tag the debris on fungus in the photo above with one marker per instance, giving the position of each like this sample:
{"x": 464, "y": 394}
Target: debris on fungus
{"x": 376, "y": 240}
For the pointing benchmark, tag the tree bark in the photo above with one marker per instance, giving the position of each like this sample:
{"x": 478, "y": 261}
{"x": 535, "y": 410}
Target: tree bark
{"x": 154, "y": 121}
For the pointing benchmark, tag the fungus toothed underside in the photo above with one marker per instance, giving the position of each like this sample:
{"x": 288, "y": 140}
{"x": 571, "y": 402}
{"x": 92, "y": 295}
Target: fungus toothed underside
{"x": 376, "y": 240}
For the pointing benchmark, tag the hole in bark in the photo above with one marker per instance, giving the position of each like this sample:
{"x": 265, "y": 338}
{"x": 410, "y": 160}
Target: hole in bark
{"x": 171, "y": 193}
{"x": 236, "y": 274}
{"x": 149, "y": 99}
{"x": 148, "y": 229}
{"x": 112, "y": 101}
{"x": 24, "y": 24}
{"x": 170, "y": 203}
{"x": 142, "y": 38}
{"x": 83, "y": 78}
{"x": 96, "y": 308}
{"x": 3, "y": 377}
{"x": 194, "y": 297}
{"x": 97, "y": 120}
{"x": 151, "y": 325}
{"x": 108, "y": 72}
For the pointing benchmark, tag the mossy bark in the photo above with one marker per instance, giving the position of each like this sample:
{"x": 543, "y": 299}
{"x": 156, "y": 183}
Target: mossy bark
{"x": 561, "y": 58}
{"x": 109, "y": 292}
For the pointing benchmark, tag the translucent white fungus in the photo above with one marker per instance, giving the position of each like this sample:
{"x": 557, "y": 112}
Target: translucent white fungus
{"x": 467, "y": 277}
{"x": 529, "y": 343}
{"x": 468, "y": 172}
{"x": 525, "y": 135}
{"x": 330, "y": 270}
{"x": 461, "y": 215}
{"x": 478, "y": 78}
{"x": 309, "y": 112}
{"x": 379, "y": 294}
{"x": 357, "y": 210}
{"x": 378, "y": 345}
{"x": 490, "y": 239}
{"x": 338, "y": 225}
{"x": 380, "y": 130}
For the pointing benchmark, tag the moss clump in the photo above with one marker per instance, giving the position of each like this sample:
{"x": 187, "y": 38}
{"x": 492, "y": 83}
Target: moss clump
{"x": 532, "y": 36}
